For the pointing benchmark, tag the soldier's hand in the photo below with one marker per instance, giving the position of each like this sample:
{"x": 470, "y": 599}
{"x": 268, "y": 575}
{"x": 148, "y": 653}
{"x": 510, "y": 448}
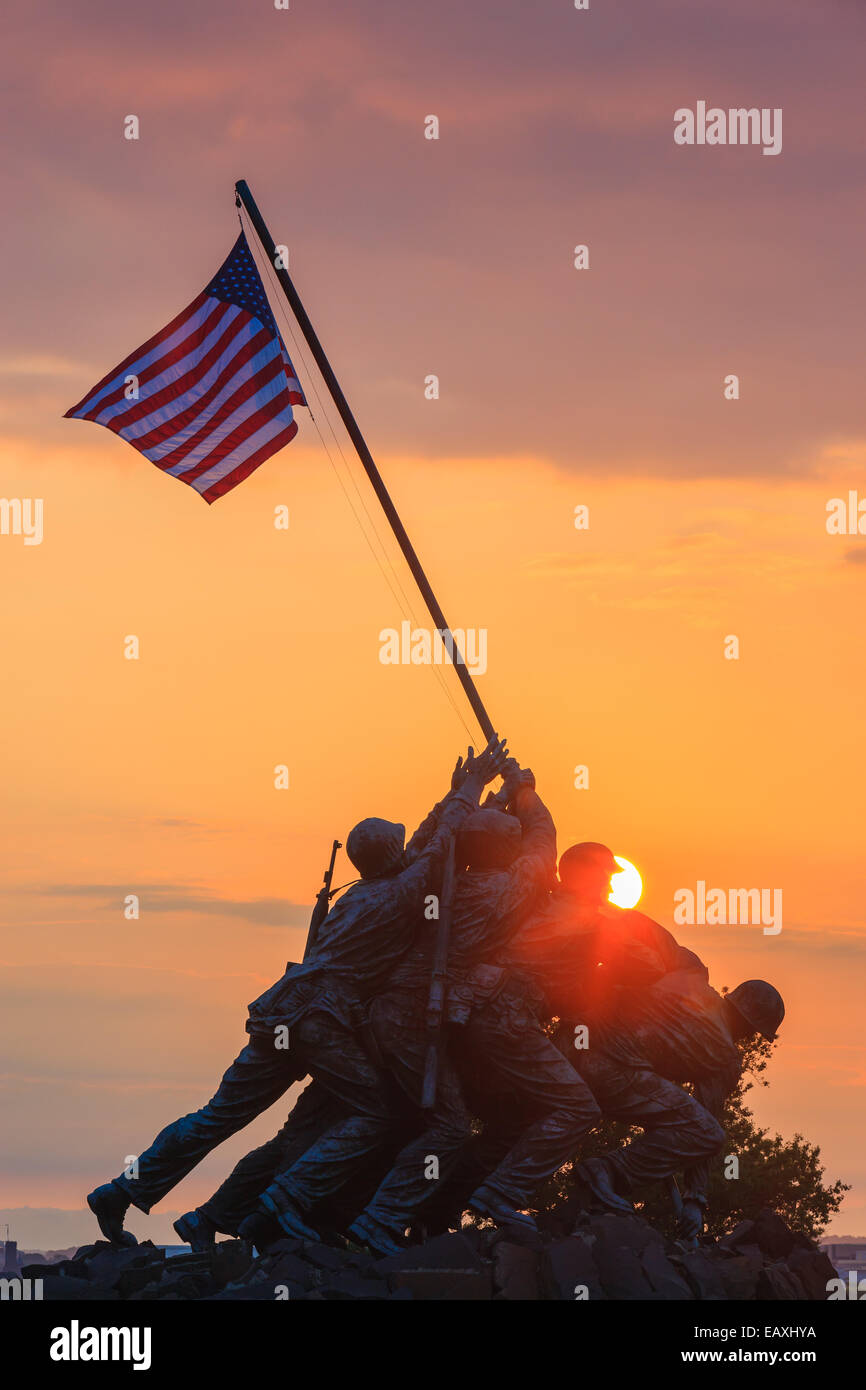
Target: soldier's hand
{"x": 514, "y": 776}
{"x": 461, "y": 770}
{"x": 691, "y": 1222}
{"x": 490, "y": 763}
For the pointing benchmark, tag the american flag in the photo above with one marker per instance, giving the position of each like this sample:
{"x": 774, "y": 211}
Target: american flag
{"x": 210, "y": 397}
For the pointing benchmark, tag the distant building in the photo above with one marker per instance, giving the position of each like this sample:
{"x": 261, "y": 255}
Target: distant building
{"x": 846, "y": 1257}
{"x": 10, "y": 1257}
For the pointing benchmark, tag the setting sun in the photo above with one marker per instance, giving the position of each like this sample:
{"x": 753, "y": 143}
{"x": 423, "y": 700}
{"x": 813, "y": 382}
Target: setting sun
{"x": 626, "y": 886}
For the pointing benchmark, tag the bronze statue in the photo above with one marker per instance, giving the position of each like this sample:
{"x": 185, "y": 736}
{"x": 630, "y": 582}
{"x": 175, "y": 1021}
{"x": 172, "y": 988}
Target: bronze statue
{"x": 320, "y": 1003}
{"x": 360, "y": 1155}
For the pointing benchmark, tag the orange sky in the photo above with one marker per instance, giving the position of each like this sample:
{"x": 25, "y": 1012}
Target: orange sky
{"x": 259, "y": 646}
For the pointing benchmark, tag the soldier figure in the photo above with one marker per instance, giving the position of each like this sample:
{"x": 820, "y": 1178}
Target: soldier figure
{"x": 681, "y": 1031}
{"x": 577, "y": 956}
{"x": 321, "y": 1001}
{"x": 509, "y": 864}
{"x": 654, "y": 1022}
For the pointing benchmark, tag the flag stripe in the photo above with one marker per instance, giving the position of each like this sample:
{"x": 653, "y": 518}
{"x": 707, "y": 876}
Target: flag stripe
{"x": 201, "y": 444}
{"x": 219, "y": 364}
{"x": 235, "y": 439}
{"x": 230, "y": 480}
{"x": 157, "y": 444}
{"x": 203, "y": 334}
{"x": 171, "y": 329}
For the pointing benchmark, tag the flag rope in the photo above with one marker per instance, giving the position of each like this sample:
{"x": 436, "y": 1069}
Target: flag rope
{"x": 399, "y": 594}
{"x": 302, "y": 354}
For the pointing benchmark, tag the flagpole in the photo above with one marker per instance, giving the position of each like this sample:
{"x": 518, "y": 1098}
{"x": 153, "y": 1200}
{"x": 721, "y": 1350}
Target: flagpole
{"x": 245, "y": 197}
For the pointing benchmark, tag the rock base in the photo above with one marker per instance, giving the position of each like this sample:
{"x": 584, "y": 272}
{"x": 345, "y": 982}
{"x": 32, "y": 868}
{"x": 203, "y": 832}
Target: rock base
{"x": 608, "y": 1257}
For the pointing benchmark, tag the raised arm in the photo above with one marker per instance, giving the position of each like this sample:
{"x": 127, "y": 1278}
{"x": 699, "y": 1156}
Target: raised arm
{"x": 429, "y": 844}
{"x": 431, "y": 821}
{"x": 534, "y": 870}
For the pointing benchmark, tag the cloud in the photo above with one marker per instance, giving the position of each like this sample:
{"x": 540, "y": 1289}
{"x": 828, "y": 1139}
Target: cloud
{"x": 41, "y": 365}
{"x": 839, "y": 942}
{"x": 461, "y": 247}
{"x": 174, "y": 897}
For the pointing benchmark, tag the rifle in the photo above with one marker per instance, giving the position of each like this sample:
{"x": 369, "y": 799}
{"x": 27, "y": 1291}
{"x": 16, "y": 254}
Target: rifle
{"x": 675, "y": 1196}
{"x": 323, "y": 898}
{"x": 691, "y": 1243}
{"x": 438, "y": 980}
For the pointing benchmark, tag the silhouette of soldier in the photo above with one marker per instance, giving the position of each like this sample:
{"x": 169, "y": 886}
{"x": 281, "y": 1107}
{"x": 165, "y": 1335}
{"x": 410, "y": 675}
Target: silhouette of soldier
{"x": 321, "y": 1002}
{"x": 509, "y": 864}
{"x": 575, "y": 956}
{"x": 313, "y": 1114}
{"x": 682, "y": 1031}
{"x": 582, "y": 952}
{"x": 653, "y": 1022}
{"x": 253, "y": 1193}
{"x": 399, "y": 1042}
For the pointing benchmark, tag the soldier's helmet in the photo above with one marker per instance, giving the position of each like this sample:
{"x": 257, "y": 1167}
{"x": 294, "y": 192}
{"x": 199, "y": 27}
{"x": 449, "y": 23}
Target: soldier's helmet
{"x": 376, "y": 846}
{"x": 488, "y": 840}
{"x": 760, "y": 1004}
{"x": 587, "y": 856}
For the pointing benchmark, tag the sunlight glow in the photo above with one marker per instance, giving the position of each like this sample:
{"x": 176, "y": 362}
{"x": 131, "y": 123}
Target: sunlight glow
{"x": 626, "y": 886}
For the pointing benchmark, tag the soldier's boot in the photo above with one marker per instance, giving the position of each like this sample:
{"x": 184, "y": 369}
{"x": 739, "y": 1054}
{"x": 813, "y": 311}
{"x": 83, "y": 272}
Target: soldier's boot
{"x": 486, "y": 1202}
{"x": 597, "y": 1176}
{"x": 381, "y": 1239}
{"x": 109, "y": 1204}
{"x": 261, "y": 1229}
{"x": 289, "y": 1216}
{"x": 196, "y": 1230}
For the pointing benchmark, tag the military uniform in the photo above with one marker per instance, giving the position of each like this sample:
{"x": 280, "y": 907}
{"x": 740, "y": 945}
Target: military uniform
{"x": 653, "y": 1021}
{"x": 311, "y": 1116}
{"x": 494, "y": 1030}
{"x": 677, "y": 1032}
{"x": 592, "y": 964}
{"x": 321, "y": 1002}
